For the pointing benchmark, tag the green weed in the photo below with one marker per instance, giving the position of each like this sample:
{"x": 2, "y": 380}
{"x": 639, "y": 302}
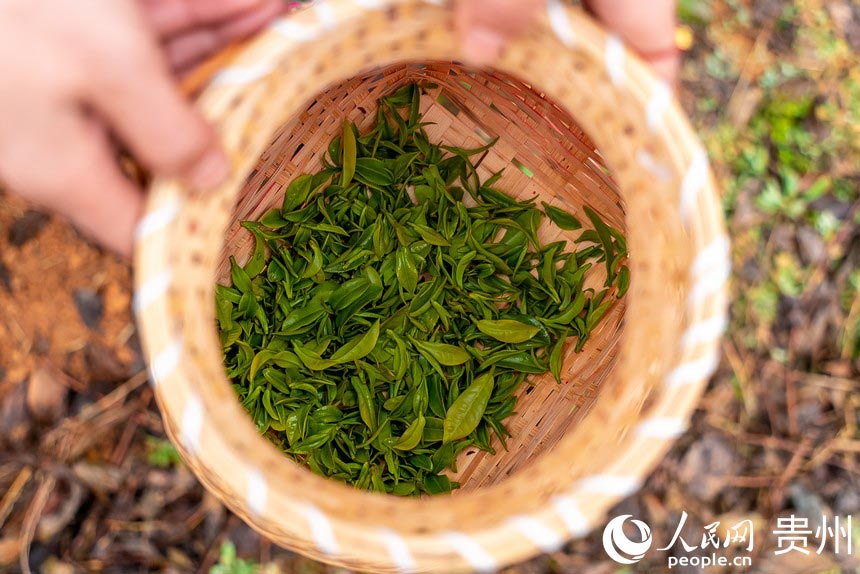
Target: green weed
{"x": 161, "y": 453}
{"x": 230, "y": 563}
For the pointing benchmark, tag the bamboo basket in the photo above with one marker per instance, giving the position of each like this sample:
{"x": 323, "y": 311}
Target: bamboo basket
{"x": 577, "y": 448}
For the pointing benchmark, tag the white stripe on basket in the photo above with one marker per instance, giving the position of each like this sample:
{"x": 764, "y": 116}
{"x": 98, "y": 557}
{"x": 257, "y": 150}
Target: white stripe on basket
{"x": 471, "y": 551}
{"x": 693, "y": 371}
{"x": 258, "y": 491}
{"x": 240, "y": 76}
{"x": 610, "y": 484}
{"x": 292, "y": 30}
{"x": 191, "y": 424}
{"x": 694, "y": 180}
{"x": 716, "y": 254}
{"x": 152, "y": 290}
{"x": 658, "y": 103}
{"x": 662, "y": 427}
{"x": 705, "y": 331}
{"x": 157, "y": 219}
{"x": 321, "y": 529}
{"x": 652, "y": 166}
{"x": 710, "y": 283}
{"x": 567, "y": 508}
{"x": 541, "y": 535}
{"x": 325, "y": 14}
{"x": 398, "y": 550}
{"x": 370, "y": 4}
{"x": 560, "y": 23}
{"x": 165, "y": 362}
{"x": 615, "y": 60}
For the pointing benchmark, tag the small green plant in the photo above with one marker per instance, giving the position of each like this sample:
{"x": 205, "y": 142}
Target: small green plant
{"x": 764, "y": 302}
{"x": 161, "y": 453}
{"x": 789, "y": 275}
{"x": 230, "y": 563}
{"x": 850, "y": 336}
{"x": 695, "y": 11}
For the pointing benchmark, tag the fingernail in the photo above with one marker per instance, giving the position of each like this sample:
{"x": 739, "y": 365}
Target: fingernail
{"x": 482, "y": 45}
{"x": 210, "y": 171}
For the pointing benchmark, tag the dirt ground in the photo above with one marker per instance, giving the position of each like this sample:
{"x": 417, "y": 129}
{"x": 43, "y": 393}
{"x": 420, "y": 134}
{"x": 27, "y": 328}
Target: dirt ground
{"x": 89, "y": 483}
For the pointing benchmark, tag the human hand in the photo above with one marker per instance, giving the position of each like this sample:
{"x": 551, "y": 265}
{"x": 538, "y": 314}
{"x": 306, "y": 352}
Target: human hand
{"x": 89, "y": 71}
{"x": 191, "y": 30}
{"x": 646, "y": 27}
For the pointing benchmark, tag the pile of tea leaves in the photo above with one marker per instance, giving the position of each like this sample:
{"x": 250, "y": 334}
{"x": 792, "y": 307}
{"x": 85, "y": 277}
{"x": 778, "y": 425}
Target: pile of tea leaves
{"x": 395, "y": 303}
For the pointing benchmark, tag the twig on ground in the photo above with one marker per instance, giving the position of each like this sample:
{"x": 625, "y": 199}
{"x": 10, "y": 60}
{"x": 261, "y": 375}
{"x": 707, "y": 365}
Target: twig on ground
{"x": 790, "y": 401}
{"x": 31, "y": 519}
{"x": 740, "y": 367}
{"x": 13, "y": 493}
{"x": 791, "y": 469}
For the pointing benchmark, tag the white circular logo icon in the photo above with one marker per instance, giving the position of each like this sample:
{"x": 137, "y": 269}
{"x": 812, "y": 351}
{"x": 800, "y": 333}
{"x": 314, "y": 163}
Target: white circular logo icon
{"x": 619, "y": 547}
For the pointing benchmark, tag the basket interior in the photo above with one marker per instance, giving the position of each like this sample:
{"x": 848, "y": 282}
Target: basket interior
{"x": 544, "y": 153}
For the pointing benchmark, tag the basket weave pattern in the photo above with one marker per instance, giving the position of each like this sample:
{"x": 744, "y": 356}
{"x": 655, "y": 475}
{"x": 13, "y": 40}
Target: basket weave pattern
{"x": 469, "y": 109}
{"x": 633, "y": 393}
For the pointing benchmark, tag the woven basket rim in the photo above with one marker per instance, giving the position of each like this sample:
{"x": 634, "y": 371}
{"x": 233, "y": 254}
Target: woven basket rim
{"x": 325, "y": 532}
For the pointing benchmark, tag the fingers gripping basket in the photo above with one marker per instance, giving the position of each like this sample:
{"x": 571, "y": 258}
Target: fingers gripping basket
{"x": 577, "y": 447}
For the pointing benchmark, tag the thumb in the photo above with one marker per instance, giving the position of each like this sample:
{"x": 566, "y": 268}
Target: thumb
{"x": 647, "y": 27}
{"x": 486, "y": 25}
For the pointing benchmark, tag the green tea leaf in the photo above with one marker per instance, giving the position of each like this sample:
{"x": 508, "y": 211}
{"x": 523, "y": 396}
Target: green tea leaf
{"x": 623, "y": 281}
{"x": 438, "y": 484}
{"x": 605, "y": 237}
{"x": 466, "y": 412}
{"x": 349, "y": 154}
{"x": 257, "y": 261}
{"x": 240, "y": 277}
{"x": 462, "y": 265}
{"x": 444, "y": 354}
{"x": 555, "y": 357}
{"x": 312, "y": 360}
{"x": 373, "y": 172}
{"x": 358, "y": 347}
{"x": 366, "y": 405}
{"x": 296, "y": 194}
{"x": 560, "y": 217}
{"x": 431, "y": 236}
{"x": 407, "y": 271}
{"x": 273, "y": 219}
{"x": 259, "y": 360}
{"x": 412, "y": 436}
{"x": 507, "y": 330}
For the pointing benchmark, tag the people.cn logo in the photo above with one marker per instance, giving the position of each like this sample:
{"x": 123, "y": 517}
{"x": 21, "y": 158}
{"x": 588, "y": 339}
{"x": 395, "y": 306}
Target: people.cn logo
{"x": 619, "y": 547}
